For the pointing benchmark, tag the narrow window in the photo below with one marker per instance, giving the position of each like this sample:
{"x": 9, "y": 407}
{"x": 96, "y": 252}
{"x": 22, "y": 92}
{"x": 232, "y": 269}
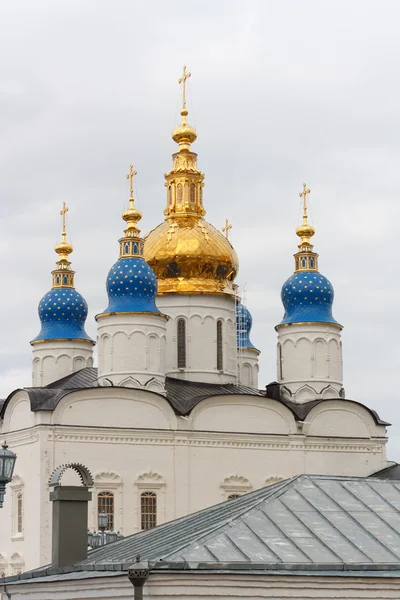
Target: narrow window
{"x": 181, "y": 338}
{"x": 280, "y": 370}
{"x": 148, "y": 510}
{"x": 220, "y": 358}
{"x": 192, "y": 194}
{"x": 19, "y": 512}
{"x": 105, "y": 504}
{"x": 179, "y": 193}
{"x": 233, "y": 496}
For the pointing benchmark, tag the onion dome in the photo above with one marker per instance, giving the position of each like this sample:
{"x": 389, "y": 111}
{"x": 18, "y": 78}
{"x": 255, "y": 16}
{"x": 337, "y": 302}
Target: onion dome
{"x": 63, "y": 311}
{"x": 244, "y": 322}
{"x": 131, "y": 282}
{"x": 188, "y": 254}
{"x": 307, "y": 295}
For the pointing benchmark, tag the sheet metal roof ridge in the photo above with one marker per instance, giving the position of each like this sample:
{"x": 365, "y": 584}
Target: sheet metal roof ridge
{"x": 230, "y": 566}
{"x": 205, "y": 526}
{"x": 387, "y": 471}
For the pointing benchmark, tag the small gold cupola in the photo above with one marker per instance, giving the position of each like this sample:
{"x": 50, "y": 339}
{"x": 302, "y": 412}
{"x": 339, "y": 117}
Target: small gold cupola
{"x": 305, "y": 259}
{"x": 131, "y": 244}
{"x": 63, "y": 275}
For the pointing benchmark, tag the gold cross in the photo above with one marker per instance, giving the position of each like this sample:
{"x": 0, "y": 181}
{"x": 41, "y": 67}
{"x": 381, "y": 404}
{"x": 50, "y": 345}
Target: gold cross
{"x": 226, "y": 229}
{"x": 303, "y": 195}
{"x": 182, "y": 81}
{"x": 63, "y": 213}
{"x": 130, "y": 176}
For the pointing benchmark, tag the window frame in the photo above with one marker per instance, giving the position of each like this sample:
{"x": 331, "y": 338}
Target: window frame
{"x": 111, "y": 516}
{"x": 149, "y": 516}
{"x": 181, "y": 343}
{"x": 220, "y": 345}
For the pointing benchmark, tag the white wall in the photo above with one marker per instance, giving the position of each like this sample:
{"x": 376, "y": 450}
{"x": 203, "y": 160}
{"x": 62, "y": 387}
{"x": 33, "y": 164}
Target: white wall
{"x": 248, "y": 366}
{"x": 53, "y": 360}
{"x": 132, "y": 441}
{"x": 309, "y": 361}
{"x": 201, "y": 313}
{"x": 132, "y": 350}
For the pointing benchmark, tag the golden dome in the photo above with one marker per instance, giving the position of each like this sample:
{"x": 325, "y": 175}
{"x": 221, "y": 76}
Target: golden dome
{"x": 189, "y": 255}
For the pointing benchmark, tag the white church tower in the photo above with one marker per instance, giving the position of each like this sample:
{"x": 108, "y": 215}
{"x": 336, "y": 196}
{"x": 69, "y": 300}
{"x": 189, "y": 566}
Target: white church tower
{"x": 247, "y": 353}
{"x": 131, "y": 330}
{"x": 309, "y": 346}
{"x": 195, "y": 266}
{"x": 62, "y": 346}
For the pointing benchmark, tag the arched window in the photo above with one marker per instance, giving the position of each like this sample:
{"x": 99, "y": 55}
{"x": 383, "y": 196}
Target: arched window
{"x": 105, "y": 504}
{"x": 20, "y": 512}
{"x": 148, "y": 510}
{"x": 233, "y": 496}
{"x": 192, "y": 197}
{"x": 181, "y": 340}
{"x": 179, "y": 193}
{"x": 169, "y": 195}
{"x": 220, "y": 356}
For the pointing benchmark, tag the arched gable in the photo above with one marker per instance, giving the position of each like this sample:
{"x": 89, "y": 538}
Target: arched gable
{"x": 17, "y": 412}
{"x": 341, "y": 418}
{"x": 241, "y": 413}
{"x": 115, "y": 407}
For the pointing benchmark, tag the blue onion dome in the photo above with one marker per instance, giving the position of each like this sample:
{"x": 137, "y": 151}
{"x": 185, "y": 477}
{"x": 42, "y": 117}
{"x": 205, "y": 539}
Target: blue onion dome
{"x": 244, "y": 322}
{"x": 63, "y": 311}
{"x": 131, "y": 282}
{"x": 307, "y": 295}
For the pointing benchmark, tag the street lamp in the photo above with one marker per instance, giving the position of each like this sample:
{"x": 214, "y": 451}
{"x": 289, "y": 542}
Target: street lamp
{"x": 103, "y": 537}
{"x": 7, "y": 464}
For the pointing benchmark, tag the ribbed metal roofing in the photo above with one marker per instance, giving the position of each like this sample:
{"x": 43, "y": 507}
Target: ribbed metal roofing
{"x": 306, "y": 523}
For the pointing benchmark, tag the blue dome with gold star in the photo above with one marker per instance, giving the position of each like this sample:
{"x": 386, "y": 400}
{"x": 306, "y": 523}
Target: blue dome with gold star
{"x": 307, "y": 296}
{"x": 131, "y": 286}
{"x": 244, "y": 322}
{"x": 62, "y": 313}
{"x": 131, "y": 282}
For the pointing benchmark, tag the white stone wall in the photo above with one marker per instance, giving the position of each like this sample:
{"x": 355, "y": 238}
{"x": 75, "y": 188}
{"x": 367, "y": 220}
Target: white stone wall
{"x": 201, "y": 313}
{"x": 309, "y": 361}
{"x": 132, "y": 441}
{"x": 132, "y": 350}
{"x": 247, "y": 361}
{"x": 53, "y": 360}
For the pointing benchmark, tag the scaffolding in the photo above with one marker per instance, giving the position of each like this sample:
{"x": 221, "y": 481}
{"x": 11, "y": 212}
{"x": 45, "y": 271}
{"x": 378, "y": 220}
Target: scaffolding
{"x": 241, "y": 330}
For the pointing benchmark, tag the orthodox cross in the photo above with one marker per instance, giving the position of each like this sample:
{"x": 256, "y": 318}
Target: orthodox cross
{"x": 303, "y": 195}
{"x": 226, "y": 229}
{"x": 130, "y": 176}
{"x": 182, "y": 81}
{"x": 63, "y": 213}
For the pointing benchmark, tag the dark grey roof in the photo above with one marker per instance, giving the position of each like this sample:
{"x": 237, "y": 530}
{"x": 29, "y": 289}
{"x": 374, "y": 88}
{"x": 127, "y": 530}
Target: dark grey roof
{"x": 182, "y": 395}
{"x": 392, "y": 472}
{"x": 306, "y": 523}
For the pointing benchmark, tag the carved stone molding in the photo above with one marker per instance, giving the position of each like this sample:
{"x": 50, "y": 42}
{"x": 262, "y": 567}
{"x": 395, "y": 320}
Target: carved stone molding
{"x": 273, "y": 479}
{"x": 106, "y": 476}
{"x": 150, "y": 480}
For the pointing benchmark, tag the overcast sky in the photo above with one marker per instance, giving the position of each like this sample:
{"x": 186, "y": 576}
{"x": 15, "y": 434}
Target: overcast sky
{"x": 282, "y": 92}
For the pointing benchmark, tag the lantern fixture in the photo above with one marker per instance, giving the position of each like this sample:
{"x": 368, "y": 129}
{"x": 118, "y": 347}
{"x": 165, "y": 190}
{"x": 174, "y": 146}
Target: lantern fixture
{"x": 7, "y": 464}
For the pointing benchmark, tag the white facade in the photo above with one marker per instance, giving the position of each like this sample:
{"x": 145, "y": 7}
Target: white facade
{"x": 55, "y": 359}
{"x": 224, "y": 586}
{"x": 309, "y": 361}
{"x": 133, "y": 442}
{"x": 132, "y": 350}
{"x": 201, "y": 314}
{"x": 247, "y": 364}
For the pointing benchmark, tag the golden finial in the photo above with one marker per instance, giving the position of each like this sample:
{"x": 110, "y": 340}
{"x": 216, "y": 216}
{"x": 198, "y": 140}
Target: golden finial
{"x": 184, "y": 135}
{"x": 305, "y": 231}
{"x": 226, "y": 229}
{"x": 63, "y": 276}
{"x": 182, "y": 81}
{"x": 130, "y": 176}
{"x": 63, "y": 213}
{"x": 131, "y": 215}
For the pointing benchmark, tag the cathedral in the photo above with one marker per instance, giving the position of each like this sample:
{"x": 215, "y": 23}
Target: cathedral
{"x": 174, "y": 418}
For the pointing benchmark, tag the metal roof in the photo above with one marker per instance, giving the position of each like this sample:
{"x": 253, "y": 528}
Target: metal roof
{"x": 182, "y": 395}
{"x": 306, "y": 523}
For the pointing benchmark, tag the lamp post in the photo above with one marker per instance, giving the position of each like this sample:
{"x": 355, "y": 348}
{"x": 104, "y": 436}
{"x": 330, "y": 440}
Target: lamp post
{"x": 7, "y": 464}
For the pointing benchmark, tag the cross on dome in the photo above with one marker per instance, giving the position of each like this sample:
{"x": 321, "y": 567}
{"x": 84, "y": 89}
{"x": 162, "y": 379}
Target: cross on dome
{"x": 226, "y": 229}
{"x": 182, "y": 81}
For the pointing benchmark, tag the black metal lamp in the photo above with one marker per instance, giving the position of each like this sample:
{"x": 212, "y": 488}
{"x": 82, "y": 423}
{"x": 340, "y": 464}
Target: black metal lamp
{"x": 7, "y": 464}
{"x": 103, "y": 521}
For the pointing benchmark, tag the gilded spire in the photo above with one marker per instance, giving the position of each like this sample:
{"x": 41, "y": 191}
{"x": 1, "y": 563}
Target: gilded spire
{"x": 185, "y": 182}
{"x": 131, "y": 244}
{"x": 305, "y": 259}
{"x": 63, "y": 275}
